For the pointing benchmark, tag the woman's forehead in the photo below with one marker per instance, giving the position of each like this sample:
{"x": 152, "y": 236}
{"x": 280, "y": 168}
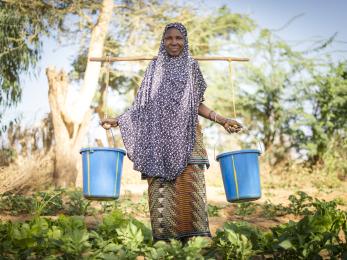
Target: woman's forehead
{"x": 173, "y": 31}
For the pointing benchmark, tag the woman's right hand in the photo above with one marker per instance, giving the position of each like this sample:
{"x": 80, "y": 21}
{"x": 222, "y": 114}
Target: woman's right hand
{"x": 107, "y": 123}
{"x": 232, "y": 126}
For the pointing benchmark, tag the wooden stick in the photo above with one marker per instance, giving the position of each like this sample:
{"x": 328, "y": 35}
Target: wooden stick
{"x": 140, "y": 58}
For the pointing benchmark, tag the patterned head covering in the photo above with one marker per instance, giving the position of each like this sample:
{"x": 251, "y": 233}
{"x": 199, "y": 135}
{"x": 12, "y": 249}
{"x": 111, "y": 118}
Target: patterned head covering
{"x": 158, "y": 130}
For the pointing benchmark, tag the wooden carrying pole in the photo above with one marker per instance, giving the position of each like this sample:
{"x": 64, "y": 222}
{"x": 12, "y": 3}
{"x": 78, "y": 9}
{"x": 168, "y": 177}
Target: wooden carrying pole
{"x": 140, "y": 58}
{"x": 110, "y": 59}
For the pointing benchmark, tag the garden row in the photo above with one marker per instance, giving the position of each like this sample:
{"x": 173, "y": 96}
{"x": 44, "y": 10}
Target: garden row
{"x": 321, "y": 232}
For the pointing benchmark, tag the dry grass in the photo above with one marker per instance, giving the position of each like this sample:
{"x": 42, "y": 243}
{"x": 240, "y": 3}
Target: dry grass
{"x": 26, "y": 174}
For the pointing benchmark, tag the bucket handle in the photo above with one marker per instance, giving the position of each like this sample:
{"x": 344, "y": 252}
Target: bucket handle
{"x": 260, "y": 146}
{"x": 114, "y": 140}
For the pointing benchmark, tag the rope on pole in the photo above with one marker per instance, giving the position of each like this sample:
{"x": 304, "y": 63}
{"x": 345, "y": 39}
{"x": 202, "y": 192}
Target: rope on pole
{"x": 232, "y": 87}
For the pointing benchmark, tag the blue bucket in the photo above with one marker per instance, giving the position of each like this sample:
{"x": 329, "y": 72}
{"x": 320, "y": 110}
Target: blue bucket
{"x": 240, "y": 172}
{"x": 102, "y": 172}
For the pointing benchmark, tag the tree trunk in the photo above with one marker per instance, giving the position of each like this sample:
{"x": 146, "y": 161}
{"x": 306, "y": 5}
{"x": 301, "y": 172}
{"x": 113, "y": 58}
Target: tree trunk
{"x": 71, "y": 116}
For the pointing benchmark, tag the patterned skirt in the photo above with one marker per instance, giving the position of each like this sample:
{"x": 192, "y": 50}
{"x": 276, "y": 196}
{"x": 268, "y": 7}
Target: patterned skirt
{"x": 178, "y": 209}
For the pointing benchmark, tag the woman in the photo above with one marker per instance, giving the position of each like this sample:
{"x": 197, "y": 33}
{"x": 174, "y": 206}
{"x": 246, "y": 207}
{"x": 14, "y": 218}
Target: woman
{"x": 163, "y": 138}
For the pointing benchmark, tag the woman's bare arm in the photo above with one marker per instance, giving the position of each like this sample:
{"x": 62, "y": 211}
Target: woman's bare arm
{"x": 206, "y": 112}
{"x": 230, "y": 125}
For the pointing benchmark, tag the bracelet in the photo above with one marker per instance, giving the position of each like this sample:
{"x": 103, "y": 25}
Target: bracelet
{"x": 215, "y": 116}
{"x": 209, "y": 115}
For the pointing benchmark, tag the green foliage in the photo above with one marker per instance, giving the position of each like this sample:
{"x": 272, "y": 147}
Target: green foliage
{"x": 322, "y": 230}
{"x": 270, "y": 210}
{"x": 213, "y": 210}
{"x": 300, "y": 203}
{"x": 22, "y": 26}
{"x": 312, "y": 235}
{"x": 18, "y": 54}
{"x": 193, "y": 250}
{"x": 70, "y": 236}
{"x": 231, "y": 244}
{"x": 47, "y": 203}
{"x": 16, "y": 204}
{"x": 111, "y": 222}
{"x": 328, "y": 96}
{"x": 107, "y": 206}
{"x": 207, "y": 30}
{"x": 269, "y": 102}
{"x": 245, "y": 208}
{"x": 335, "y": 158}
{"x": 76, "y": 204}
{"x": 131, "y": 236}
{"x": 126, "y": 204}
{"x": 42, "y": 237}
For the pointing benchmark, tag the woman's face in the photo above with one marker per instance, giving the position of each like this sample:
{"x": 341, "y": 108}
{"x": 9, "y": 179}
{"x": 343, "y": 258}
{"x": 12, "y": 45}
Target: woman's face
{"x": 173, "y": 42}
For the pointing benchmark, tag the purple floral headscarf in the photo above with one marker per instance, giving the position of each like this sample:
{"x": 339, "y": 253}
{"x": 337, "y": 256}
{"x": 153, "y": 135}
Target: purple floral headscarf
{"x": 158, "y": 130}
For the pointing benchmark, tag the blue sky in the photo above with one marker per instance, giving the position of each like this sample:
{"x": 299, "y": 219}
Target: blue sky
{"x": 320, "y": 19}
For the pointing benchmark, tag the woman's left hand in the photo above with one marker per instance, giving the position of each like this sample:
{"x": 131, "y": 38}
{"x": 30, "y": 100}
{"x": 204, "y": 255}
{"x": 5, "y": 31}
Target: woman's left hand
{"x": 232, "y": 126}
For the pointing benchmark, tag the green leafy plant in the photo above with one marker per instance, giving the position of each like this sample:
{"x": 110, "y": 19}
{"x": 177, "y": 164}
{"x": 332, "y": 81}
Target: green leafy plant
{"x": 107, "y": 206}
{"x": 270, "y": 210}
{"x": 231, "y": 244}
{"x": 193, "y": 250}
{"x": 213, "y": 210}
{"x": 132, "y": 239}
{"x": 142, "y": 206}
{"x": 245, "y": 208}
{"x": 46, "y": 203}
{"x": 312, "y": 235}
{"x": 77, "y": 204}
{"x": 110, "y": 223}
{"x": 15, "y": 204}
{"x": 300, "y": 203}
{"x": 71, "y": 236}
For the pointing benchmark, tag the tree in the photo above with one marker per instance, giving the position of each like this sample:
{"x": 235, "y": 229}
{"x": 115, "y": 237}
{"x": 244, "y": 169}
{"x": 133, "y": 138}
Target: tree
{"x": 25, "y": 23}
{"x": 70, "y": 119}
{"x": 21, "y": 28}
{"x": 268, "y": 95}
{"x": 325, "y": 120}
{"x": 286, "y": 94}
